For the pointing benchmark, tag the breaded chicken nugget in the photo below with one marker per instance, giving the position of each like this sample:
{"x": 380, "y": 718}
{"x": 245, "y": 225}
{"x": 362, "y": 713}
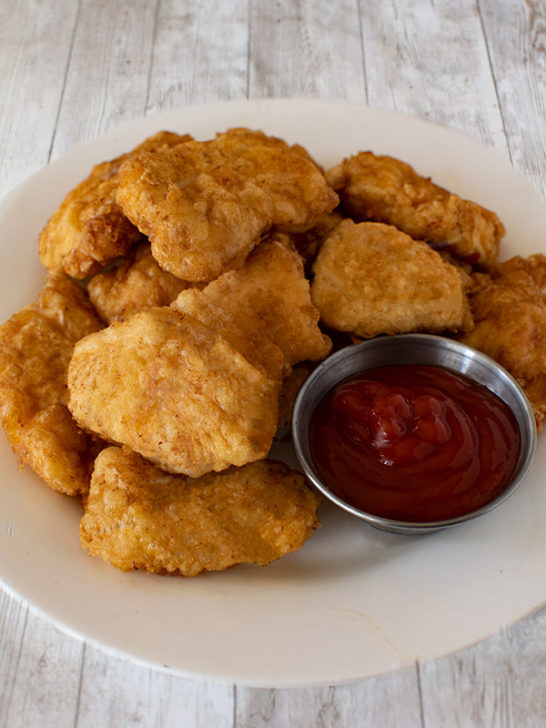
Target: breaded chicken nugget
{"x": 519, "y": 272}
{"x": 308, "y": 243}
{"x": 89, "y": 228}
{"x": 384, "y": 189}
{"x": 291, "y": 385}
{"x": 371, "y": 279}
{"x": 253, "y": 136}
{"x": 176, "y": 391}
{"x": 137, "y": 517}
{"x": 509, "y": 308}
{"x": 271, "y": 284}
{"x": 35, "y": 348}
{"x": 204, "y": 205}
{"x": 136, "y": 284}
{"x": 246, "y": 334}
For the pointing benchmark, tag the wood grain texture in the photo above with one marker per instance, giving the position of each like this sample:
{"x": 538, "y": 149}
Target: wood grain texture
{"x": 499, "y": 682}
{"x": 107, "y": 73}
{"x": 30, "y": 88}
{"x": 388, "y": 701}
{"x": 307, "y": 48}
{"x": 46, "y": 679}
{"x": 200, "y": 54}
{"x": 116, "y": 693}
{"x": 429, "y": 59}
{"x": 474, "y": 65}
{"x": 526, "y": 653}
{"x": 13, "y": 621}
{"x": 516, "y": 41}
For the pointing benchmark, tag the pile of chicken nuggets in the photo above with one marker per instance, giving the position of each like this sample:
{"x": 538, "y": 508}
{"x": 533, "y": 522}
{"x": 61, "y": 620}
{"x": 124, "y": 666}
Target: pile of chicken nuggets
{"x": 192, "y": 286}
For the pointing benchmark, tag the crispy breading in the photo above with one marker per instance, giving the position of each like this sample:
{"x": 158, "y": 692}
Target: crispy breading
{"x": 384, "y": 189}
{"x": 509, "y": 308}
{"x": 519, "y": 272}
{"x": 35, "y": 348}
{"x": 371, "y": 279}
{"x": 308, "y": 243}
{"x": 138, "y": 517}
{"x": 176, "y": 391}
{"x": 535, "y": 390}
{"x": 291, "y": 385}
{"x": 204, "y": 205}
{"x": 136, "y": 284}
{"x": 88, "y": 229}
{"x": 256, "y": 136}
{"x": 271, "y": 284}
{"x": 247, "y": 333}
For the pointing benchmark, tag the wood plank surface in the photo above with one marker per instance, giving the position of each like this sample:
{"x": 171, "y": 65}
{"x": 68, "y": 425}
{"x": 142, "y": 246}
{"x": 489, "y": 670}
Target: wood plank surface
{"x": 13, "y": 622}
{"x": 388, "y": 701}
{"x": 72, "y": 70}
{"x": 310, "y": 49}
{"x": 46, "y": 681}
{"x": 111, "y": 54}
{"x": 429, "y": 59}
{"x": 499, "y": 682}
{"x": 200, "y": 54}
{"x": 115, "y": 693}
{"x": 516, "y": 40}
{"x": 30, "y": 89}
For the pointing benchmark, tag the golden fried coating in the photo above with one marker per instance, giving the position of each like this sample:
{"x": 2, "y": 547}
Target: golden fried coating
{"x": 204, "y": 205}
{"x": 35, "y": 348}
{"x": 271, "y": 284}
{"x": 88, "y": 229}
{"x": 247, "y": 334}
{"x": 509, "y": 308}
{"x": 136, "y": 284}
{"x": 291, "y": 385}
{"x": 176, "y": 391}
{"x": 384, "y": 189}
{"x": 371, "y": 279}
{"x": 519, "y": 272}
{"x": 138, "y": 517}
{"x": 308, "y": 243}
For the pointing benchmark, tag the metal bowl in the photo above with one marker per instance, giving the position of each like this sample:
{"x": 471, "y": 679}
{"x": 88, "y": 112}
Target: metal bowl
{"x": 412, "y": 349}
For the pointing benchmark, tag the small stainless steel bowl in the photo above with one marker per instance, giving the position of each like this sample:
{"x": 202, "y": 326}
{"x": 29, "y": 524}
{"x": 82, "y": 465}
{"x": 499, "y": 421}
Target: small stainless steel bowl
{"x": 412, "y": 349}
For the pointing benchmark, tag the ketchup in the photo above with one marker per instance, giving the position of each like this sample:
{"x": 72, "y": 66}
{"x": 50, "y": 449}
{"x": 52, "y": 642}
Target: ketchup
{"x": 414, "y": 443}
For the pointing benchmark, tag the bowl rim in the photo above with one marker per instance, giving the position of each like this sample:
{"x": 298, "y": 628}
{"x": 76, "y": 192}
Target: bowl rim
{"x": 394, "y": 525}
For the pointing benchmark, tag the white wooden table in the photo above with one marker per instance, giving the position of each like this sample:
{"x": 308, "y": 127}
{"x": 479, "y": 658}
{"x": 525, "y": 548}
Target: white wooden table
{"x": 73, "y": 69}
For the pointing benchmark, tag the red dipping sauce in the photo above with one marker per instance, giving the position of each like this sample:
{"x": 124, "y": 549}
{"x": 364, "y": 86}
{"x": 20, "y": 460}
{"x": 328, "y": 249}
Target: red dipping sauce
{"x": 414, "y": 443}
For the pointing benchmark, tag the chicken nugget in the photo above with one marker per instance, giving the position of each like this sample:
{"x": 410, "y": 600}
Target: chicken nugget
{"x": 247, "y": 334}
{"x": 384, "y": 189}
{"x": 89, "y": 229}
{"x": 291, "y": 385}
{"x": 272, "y": 286}
{"x": 136, "y": 284}
{"x": 372, "y": 279}
{"x": 509, "y": 308}
{"x": 204, "y": 205}
{"x": 176, "y": 391}
{"x": 255, "y": 136}
{"x": 35, "y": 348}
{"x": 138, "y": 517}
{"x": 309, "y": 242}
{"x": 523, "y": 273}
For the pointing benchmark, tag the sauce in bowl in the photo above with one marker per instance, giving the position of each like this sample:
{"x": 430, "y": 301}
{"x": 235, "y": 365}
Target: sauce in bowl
{"x": 414, "y": 443}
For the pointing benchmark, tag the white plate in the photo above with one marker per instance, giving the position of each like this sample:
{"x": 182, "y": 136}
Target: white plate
{"x": 354, "y": 601}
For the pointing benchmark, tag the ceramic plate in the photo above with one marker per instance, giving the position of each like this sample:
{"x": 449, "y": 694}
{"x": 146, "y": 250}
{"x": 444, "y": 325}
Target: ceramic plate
{"x": 354, "y": 601}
